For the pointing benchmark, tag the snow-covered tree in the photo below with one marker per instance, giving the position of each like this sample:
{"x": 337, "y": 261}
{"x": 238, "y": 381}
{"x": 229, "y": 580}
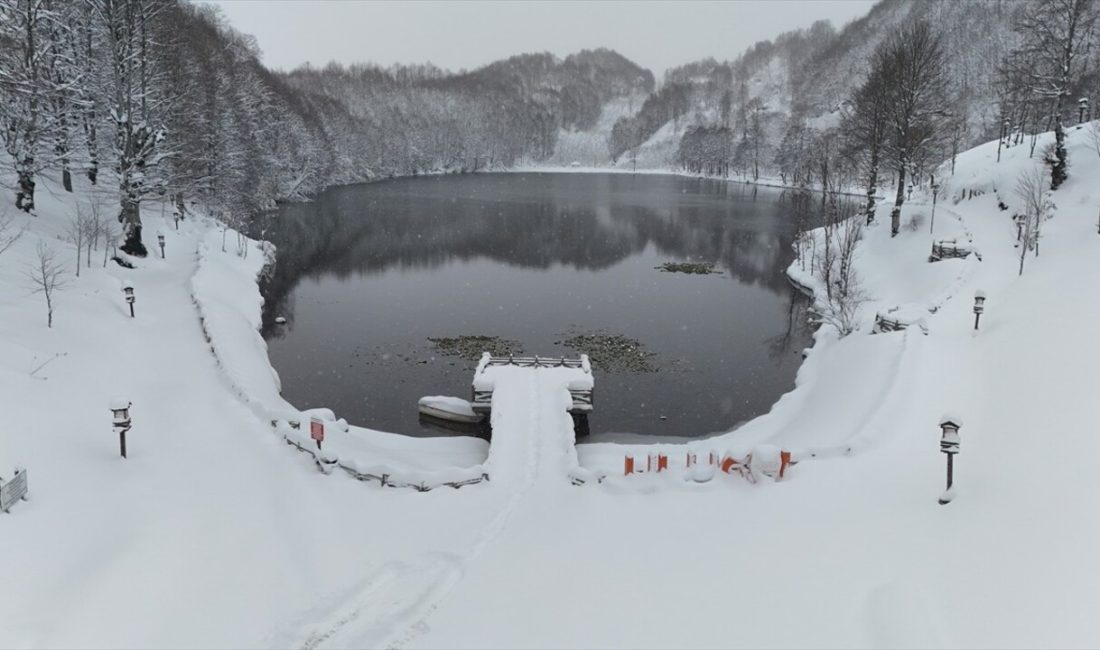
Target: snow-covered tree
{"x": 30, "y": 91}
{"x": 46, "y": 276}
{"x": 865, "y": 130}
{"x": 1057, "y": 36}
{"x": 138, "y": 98}
{"x": 1034, "y": 193}
{"x": 912, "y": 64}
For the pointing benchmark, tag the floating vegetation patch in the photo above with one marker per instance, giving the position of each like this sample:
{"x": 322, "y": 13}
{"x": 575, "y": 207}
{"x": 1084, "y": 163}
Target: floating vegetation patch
{"x": 470, "y": 347}
{"x": 692, "y": 268}
{"x": 612, "y": 352}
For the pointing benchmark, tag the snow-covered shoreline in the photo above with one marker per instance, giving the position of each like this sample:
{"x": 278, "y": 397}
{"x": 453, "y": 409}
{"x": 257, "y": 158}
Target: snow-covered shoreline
{"x": 769, "y": 182}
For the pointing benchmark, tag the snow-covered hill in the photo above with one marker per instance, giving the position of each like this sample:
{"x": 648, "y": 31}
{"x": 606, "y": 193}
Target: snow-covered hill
{"x": 808, "y": 74}
{"x": 214, "y": 532}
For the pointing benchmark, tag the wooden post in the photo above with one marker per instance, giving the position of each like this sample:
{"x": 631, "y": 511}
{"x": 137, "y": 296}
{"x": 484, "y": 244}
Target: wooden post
{"x": 122, "y": 441}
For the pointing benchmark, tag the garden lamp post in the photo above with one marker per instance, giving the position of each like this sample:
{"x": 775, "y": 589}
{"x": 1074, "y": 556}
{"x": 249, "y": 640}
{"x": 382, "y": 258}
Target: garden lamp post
{"x": 128, "y": 291}
{"x": 120, "y": 409}
{"x": 949, "y": 445}
{"x": 979, "y": 306}
{"x": 1082, "y": 109}
{"x": 160, "y": 242}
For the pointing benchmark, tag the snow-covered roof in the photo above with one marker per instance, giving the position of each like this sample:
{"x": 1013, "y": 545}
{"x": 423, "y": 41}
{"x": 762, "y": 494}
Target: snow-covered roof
{"x": 951, "y": 418}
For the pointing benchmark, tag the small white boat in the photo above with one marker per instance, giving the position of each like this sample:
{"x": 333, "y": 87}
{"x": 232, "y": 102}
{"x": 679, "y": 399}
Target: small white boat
{"x": 453, "y": 409}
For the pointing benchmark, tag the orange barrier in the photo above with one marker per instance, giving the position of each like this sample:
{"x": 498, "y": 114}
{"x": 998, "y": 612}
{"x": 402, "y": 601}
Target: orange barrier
{"x": 728, "y": 464}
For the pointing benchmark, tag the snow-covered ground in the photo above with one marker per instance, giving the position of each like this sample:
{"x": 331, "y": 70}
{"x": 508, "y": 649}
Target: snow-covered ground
{"x": 215, "y": 533}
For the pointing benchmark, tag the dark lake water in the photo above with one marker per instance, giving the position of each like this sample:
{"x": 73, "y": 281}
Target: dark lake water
{"x": 367, "y": 273}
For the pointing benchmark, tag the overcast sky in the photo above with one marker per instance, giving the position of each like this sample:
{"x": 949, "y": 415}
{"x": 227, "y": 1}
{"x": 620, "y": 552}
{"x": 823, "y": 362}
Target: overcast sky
{"x": 656, "y": 35}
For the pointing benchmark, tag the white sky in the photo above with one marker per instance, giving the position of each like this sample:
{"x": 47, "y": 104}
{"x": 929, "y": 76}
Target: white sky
{"x": 655, "y": 34}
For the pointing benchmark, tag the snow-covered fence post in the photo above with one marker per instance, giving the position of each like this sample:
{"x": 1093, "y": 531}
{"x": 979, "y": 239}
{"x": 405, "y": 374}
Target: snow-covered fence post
{"x": 160, "y": 242}
{"x": 979, "y": 306}
{"x": 128, "y": 291}
{"x": 120, "y": 408}
{"x": 949, "y": 445}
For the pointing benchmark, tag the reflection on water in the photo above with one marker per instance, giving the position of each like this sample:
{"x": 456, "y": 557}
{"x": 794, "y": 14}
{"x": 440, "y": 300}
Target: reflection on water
{"x": 367, "y": 273}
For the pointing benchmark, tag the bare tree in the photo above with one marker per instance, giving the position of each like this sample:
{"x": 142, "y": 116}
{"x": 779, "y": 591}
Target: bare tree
{"x": 94, "y": 230}
{"x": 110, "y": 234}
{"x": 755, "y": 130}
{"x": 865, "y": 128}
{"x": 912, "y": 63}
{"x": 1035, "y": 195}
{"x": 76, "y": 232}
{"x": 844, "y": 293}
{"x": 1057, "y": 36}
{"x": 138, "y": 100}
{"x": 28, "y": 91}
{"x": 46, "y": 276}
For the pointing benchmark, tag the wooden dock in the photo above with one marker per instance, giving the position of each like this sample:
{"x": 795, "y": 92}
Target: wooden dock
{"x": 581, "y": 391}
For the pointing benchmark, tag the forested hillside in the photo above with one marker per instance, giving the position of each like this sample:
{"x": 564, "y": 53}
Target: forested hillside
{"x": 161, "y": 98}
{"x": 414, "y": 119}
{"x": 764, "y": 112}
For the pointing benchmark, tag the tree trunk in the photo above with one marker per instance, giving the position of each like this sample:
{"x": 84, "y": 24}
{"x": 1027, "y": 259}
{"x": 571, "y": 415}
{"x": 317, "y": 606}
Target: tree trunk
{"x": 895, "y": 214}
{"x": 24, "y": 192}
{"x": 130, "y": 218}
{"x": 1058, "y": 165}
{"x": 872, "y": 187}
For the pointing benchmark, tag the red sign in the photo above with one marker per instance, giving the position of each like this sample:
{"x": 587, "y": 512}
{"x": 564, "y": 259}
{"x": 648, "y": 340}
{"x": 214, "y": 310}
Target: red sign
{"x": 316, "y": 429}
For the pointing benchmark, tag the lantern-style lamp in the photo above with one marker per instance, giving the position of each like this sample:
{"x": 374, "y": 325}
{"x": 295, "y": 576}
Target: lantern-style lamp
{"x": 120, "y": 410}
{"x": 160, "y": 242}
{"x": 128, "y": 291}
{"x": 949, "y": 445}
{"x": 979, "y": 306}
{"x": 1082, "y": 108}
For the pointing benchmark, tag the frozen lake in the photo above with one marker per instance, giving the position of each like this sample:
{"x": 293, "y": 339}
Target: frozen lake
{"x": 368, "y": 273}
